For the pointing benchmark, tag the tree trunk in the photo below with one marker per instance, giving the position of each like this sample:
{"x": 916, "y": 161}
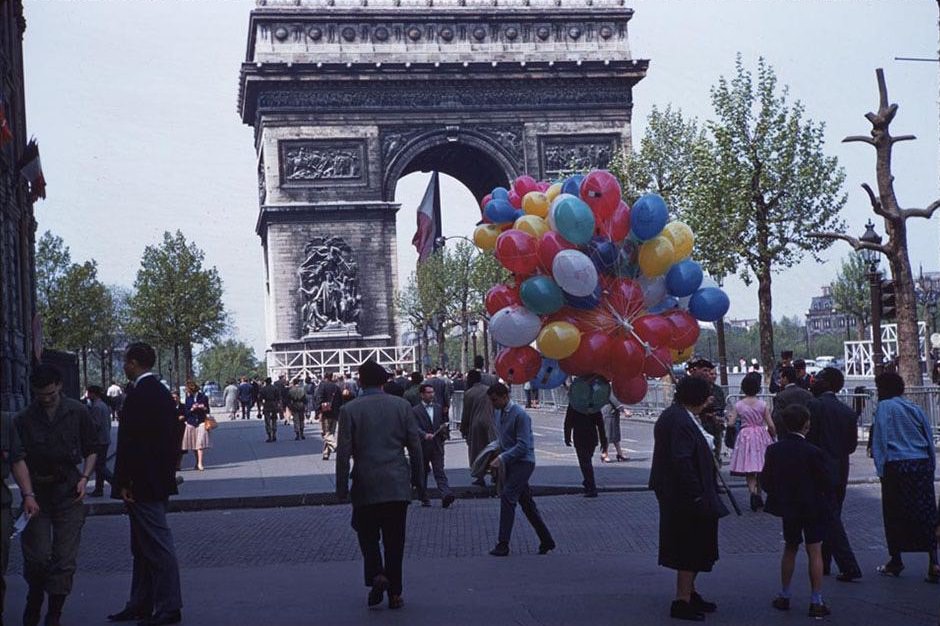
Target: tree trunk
{"x": 441, "y": 340}
{"x": 722, "y": 352}
{"x": 486, "y": 346}
{"x": 765, "y": 320}
{"x": 188, "y": 358}
{"x": 104, "y": 372}
{"x": 84, "y": 367}
{"x": 176, "y": 366}
{"x": 908, "y": 354}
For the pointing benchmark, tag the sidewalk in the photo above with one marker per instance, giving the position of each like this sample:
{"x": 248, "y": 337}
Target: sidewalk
{"x": 242, "y": 471}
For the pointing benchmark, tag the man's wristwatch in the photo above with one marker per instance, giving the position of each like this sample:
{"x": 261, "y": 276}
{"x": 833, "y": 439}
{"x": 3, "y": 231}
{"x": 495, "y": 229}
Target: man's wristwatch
{"x": 29, "y": 495}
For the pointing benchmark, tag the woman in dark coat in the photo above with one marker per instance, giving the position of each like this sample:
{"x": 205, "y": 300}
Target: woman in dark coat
{"x": 683, "y": 477}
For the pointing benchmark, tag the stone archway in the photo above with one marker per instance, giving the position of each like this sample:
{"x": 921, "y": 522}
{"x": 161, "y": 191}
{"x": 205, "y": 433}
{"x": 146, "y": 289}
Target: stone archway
{"x": 348, "y": 96}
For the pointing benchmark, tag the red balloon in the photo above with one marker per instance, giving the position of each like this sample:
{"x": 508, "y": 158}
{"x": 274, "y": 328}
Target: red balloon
{"x": 518, "y": 365}
{"x": 551, "y": 244}
{"x": 518, "y": 251}
{"x": 686, "y": 328}
{"x": 591, "y": 357}
{"x": 524, "y": 184}
{"x": 654, "y": 330}
{"x": 617, "y": 227}
{"x": 515, "y": 199}
{"x": 499, "y": 297}
{"x": 486, "y": 200}
{"x": 626, "y": 296}
{"x": 601, "y": 190}
{"x": 565, "y": 314}
{"x": 657, "y": 363}
{"x": 630, "y": 390}
{"x": 627, "y": 357}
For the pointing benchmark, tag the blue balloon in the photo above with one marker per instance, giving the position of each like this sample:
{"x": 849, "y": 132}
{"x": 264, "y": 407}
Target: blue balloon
{"x": 709, "y": 304}
{"x": 648, "y": 217}
{"x": 519, "y": 213}
{"x": 585, "y": 303}
{"x": 684, "y": 278}
{"x": 573, "y": 185}
{"x": 500, "y": 211}
{"x": 541, "y": 295}
{"x": 574, "y": 220}
{"x": 603, "y": 253}
{"x": 666, "y": 304}
{"x": 550, "y": 375}
{"x": 499, "y": 193}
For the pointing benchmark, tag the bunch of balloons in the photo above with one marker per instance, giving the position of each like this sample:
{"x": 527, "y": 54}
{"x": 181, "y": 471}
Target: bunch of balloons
{"x": 605, "y": 292}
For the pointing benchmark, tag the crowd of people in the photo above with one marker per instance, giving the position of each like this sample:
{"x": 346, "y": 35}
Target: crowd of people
{"x": 387, "y": 432}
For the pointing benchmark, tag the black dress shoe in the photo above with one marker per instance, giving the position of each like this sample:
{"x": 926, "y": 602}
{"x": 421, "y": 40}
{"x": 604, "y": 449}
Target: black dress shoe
{"x": 448, "y": 500}
{"x": 847, "y": 577}
{"x": 501, "y": 549}
{"x": 701, "y": 604}
{"x": 128, "y": 615}
{"x": 546, "y": 547}
{"x": 379, "y": 586}
{"x": 681, "y": 609}
{"x": 164, "y": 618}
{"x": 590, "y": 494}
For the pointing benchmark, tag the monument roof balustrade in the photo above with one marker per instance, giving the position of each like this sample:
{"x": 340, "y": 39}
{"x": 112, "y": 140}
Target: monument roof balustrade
{"x": 460, "y": 5}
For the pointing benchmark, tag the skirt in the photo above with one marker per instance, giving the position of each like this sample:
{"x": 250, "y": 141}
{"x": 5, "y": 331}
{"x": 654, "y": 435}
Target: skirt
{"x": 612, "y": 427}
{"x": 749, "y": 450}
{"x": 196, "y": 437}
{"x": 687, "y": 542}
{"x": 909, "y": 506}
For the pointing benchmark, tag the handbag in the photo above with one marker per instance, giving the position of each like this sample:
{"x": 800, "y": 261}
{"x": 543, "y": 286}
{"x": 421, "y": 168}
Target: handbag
{"x": 210, "y": 423}
{"x": 731, "y": 436}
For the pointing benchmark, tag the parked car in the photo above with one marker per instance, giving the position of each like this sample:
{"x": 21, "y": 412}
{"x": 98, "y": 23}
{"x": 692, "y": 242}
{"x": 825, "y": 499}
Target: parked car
{"x": 826, "y": 361}
{"x": 213, "y": 392}
{"x": 812, "y": 367}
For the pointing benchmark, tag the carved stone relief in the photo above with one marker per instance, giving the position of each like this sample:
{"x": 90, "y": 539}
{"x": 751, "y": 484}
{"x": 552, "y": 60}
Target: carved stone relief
{"x": 311, "y": 162}
{"x": 559, "y": 155}
{"x": 329, "y": 286}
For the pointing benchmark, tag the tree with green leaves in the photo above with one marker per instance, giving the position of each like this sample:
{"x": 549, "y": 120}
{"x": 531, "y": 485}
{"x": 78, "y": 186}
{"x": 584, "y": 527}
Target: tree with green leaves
{"x": 776, "y": 184}
{"x": 229, "y": 359}
{"x": 177, "y": 301}
{"x": 851, "y": 293}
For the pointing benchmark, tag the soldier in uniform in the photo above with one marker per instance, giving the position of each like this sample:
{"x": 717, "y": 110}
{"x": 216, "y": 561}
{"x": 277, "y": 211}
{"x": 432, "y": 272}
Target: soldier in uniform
{"x": 298, "y": 405}
{"x": 13, "y": 461}
{"x": 57, "y": 434}
{"x": 270, "y": 399}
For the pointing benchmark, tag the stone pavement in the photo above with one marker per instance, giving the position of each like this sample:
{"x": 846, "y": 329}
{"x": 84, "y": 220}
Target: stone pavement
{"x": 301, "y": 565}
{"x": 244, "y": 471}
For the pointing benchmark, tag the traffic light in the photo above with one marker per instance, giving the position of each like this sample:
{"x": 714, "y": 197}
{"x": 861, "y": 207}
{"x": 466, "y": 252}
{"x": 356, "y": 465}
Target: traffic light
{"x": 889, "y": 301}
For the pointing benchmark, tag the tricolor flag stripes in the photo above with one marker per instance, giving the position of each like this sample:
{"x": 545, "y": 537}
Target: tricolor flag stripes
{"x": 429, "y": 220}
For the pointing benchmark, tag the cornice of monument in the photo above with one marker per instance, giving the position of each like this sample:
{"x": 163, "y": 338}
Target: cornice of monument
{"x": 436, "y": 5}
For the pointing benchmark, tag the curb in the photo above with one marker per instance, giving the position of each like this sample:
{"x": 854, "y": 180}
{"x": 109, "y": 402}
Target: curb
{"x": 184, "y": 505}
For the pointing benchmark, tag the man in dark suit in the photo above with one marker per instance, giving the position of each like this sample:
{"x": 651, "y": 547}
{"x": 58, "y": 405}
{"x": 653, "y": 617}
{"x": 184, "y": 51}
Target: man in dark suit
{"x": 432, "y": 423}
{"x": 786, "y": 360}
{"x": 588, "y": 429}
{"x": 683, "y": 477}
{"x": 795, "y": 480}
{"x": 374, "y": 430}
{"x": 790, "y": 393}
{"x": 144, "y": 477}
{"x": 835, "y": 430}
{"x": 443, "y": 389}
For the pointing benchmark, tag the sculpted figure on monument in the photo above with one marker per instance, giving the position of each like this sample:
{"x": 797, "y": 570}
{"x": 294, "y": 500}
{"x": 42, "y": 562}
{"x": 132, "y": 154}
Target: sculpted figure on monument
{"x": 329, "y": 286}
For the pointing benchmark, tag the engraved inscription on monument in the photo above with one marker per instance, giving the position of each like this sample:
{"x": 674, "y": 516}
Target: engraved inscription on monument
{"x": 562, "y": 155}
{"x": 311, "y": 162}
{"x": 329, "y": 287}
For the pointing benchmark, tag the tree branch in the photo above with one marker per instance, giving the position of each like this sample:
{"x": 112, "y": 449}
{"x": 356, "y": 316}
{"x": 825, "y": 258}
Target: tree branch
{"x": 903, "y": 138}
{"x": 852, "y": 241}
{"x": 926, "y": 213}
{"x": 861, "y": 138}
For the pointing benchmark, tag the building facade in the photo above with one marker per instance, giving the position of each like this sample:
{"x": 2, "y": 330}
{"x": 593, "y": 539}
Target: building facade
{"x": 824, "y": 319}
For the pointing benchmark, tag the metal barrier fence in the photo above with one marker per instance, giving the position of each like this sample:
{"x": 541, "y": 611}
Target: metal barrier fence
{"x": 660, "y": 396}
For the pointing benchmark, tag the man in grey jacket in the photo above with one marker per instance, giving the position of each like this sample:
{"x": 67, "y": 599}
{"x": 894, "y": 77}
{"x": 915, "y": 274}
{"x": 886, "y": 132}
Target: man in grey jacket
{"x": 375, "y": 429}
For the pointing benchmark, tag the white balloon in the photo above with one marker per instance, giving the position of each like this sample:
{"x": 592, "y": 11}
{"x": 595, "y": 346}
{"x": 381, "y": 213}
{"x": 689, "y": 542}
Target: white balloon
{"x": 575, "y": 273}
{"x": 515, "y": 326}
{"x": 654, "y": 290}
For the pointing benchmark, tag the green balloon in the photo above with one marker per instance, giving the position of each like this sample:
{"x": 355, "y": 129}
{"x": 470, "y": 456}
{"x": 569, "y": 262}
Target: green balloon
{"x": 589, "y": 394}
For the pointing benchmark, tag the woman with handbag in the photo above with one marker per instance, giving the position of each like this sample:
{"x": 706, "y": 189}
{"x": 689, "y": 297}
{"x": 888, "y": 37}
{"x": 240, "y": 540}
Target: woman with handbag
{"x": 754, "y": 436}
{"x": 196, "y": 436}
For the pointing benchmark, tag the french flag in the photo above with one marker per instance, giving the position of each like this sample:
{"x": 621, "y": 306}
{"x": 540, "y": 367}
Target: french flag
{"x": 31, "y": 170}
{"x": 429, "y": 220}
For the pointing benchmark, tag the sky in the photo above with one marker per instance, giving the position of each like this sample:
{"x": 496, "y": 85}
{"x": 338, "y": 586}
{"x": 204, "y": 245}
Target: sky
{"x": 134, "y": 107}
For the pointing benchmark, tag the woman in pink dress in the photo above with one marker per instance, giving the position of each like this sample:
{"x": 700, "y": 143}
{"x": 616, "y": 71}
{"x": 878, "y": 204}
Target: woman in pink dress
{"x": 755, "y": 434}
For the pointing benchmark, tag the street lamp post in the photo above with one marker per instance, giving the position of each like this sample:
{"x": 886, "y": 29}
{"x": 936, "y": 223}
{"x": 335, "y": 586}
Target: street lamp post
{"x": 871, "y": 258}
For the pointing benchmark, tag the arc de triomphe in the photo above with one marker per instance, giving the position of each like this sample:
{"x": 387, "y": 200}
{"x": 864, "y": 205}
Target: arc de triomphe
{"x": 348, "y": 96}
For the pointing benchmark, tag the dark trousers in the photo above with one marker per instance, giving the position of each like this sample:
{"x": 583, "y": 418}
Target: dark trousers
{"x": 270, "y": 424}
{"x": 298, "y": 417}
{"x": 328, "y": 433}
{"x": 102, "y": 473}
{"x": 155, "y": 582}
{"x": 246, "y": 408}
{"x": 434, "y": 464}
{"x": 386, "y": 522}
{"x": 6, "y": 528}
{"x": 587, "y": 469}
{"x": 515, "y": 490}
{"x": 836, "y": 543}
{"x": 50, "y": 546}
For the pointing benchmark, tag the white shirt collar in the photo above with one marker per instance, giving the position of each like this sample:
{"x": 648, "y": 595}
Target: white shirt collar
{"x": 142, "y": 376}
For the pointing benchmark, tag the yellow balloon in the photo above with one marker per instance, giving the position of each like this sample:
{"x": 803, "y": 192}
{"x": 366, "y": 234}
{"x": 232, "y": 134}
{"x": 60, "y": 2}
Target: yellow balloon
{"x": 484, "y": 236}
{"x": 535, "y": 203}
{"x": 533, "y": 225}
{"x": 559, "y": 340}
{"x": 552, "y": 192}
{"x": 681, "y": 356}
{"x": 682, "y": 238}
{"x": 656, "y": 256}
